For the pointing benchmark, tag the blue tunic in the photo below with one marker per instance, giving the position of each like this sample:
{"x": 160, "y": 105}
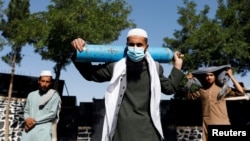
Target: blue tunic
{"x": 44, "y": 116}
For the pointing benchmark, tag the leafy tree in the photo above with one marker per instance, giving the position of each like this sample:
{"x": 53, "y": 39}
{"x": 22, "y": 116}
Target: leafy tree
{"x": 14, "y": 32}
{"x": 233, "y": 17}
{"x": 189, "y": 40}
{"x": 97, "y": 21}
{"x": 219, "y": 41}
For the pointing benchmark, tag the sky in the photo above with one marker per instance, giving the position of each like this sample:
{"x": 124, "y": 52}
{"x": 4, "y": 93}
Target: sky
{"x": 157, "y": 17}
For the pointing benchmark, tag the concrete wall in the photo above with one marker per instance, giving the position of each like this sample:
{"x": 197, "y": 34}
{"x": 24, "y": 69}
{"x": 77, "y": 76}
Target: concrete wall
{"x": 180, "y": 118}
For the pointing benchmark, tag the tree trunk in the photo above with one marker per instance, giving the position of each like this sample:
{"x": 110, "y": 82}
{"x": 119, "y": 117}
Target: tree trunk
{"x": 7, "y": 122}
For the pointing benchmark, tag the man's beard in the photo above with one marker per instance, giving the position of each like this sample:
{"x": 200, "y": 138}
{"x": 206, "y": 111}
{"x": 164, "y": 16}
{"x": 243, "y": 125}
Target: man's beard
{"x": 134, "y": 69}
{"x": 208, "y": 85}
{"x": 43, "y": 90}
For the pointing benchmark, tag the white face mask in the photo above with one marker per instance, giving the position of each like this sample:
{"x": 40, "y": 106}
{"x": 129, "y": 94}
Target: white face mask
{"x": 136, "y": 54}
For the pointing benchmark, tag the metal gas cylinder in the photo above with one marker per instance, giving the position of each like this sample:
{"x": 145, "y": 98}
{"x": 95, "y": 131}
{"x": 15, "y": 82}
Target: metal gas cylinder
{"x": 109, "y": 53}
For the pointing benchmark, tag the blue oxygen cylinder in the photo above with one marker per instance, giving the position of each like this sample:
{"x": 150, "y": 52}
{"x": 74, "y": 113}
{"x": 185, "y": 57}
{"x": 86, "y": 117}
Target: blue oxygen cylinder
{"x": 109, "y": 53}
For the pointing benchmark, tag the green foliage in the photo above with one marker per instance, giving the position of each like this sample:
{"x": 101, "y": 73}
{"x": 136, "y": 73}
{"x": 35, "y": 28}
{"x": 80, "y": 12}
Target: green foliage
{"x": 222, "y": 40}
{"x": 96, "y": 21}
{"x": 14, "y": 30}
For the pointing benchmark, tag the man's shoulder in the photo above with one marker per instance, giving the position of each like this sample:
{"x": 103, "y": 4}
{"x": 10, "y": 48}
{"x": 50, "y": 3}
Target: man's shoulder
{"x": 112, "y": 64}
{"x": 54, "y": 91}
{"x": 55, "y": 94}
{"x": 33, "y": 92}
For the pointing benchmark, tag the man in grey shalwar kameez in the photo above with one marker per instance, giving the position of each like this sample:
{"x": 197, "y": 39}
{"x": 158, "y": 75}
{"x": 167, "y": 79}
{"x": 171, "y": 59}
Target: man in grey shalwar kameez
{"x": 132, "y": 98}
{"x": 41, "y": 110}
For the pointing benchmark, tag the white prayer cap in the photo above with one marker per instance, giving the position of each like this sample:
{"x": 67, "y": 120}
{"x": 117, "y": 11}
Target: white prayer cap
{"x": 137, "y": 32}
{"x": 46, "y": 73}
